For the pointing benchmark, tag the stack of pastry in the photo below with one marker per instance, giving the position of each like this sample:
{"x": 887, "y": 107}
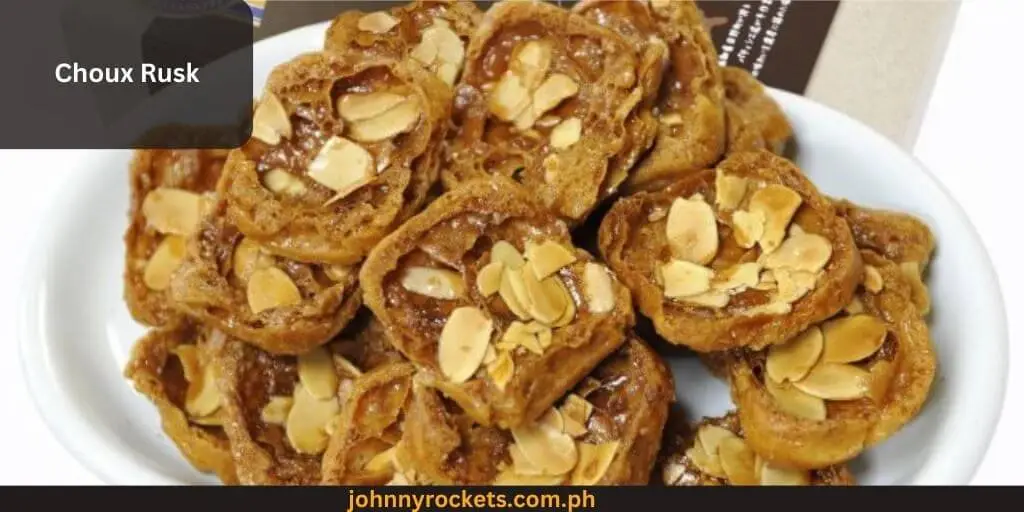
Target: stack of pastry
{"x": 386, "y": 283}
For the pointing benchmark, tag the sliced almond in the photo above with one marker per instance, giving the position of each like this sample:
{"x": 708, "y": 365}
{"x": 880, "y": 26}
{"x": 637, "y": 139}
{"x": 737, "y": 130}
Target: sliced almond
{"x": 317, "y": 373}
{"x": 692, "y": 231}
{"x": 488, "y": 280}
{"x": 508, "y": 255}
{"x": 400, "y": 119}
{"x": 520, "y": 464}
{"x": 363, "y": 106}
{"x": 577, "y": 408}
{"x": 270, "y": 288}
{"x": 544, "y": 338}
{"x": 737, "y": 460}
{"x": 778, "y": 204}
{"x": 307, "y": 419}
{"x": 594, "y": 462}
{"x": 517, "y": 335}
{"x": 172, "y": 211}
{"x": 202, "y": 397}
{"x": 554, "y": 452}
{"x": 566, "y": 133}
{"x": 795, "y": 402}
{"x": 377, "y": 22}
{"x": 873, "y": 279}
{"x": 685, "y": 279}
{"x": 772, "y": 308}
{"x": 434, "y": 282}
{"x": 568, "y": 300}
{"x": 575, "y": 428}
{"x": 509, "y": 99}
{"x": 793, "y": 359}
{"x": 513, "y": 291}
{"x": 793, "y": 285}
{"x": 831, "y": 381}
{"x": 775, "y": 475}
{"x": 747, "y": 227}
{"x": 448, "y": 72}
{"x": 345, "y": 368}
{"x": 709, "y": 299}
{"x": 548, "y": 257}
{"x": 248, "y": 258}
{"x": 165, "y": 260}
{"x": 450, "y": 47}
{"x": 738, "y": 277}
{"x": 270, "y": 120}
{"x": 337, "y": 273}
{"x": 276, "y": 410}
{"x": 801, "y": 251}
{"x": 425, "y": 52}
{"x": 283, "y": 182}
{"x": 501, "y": 370}
{"x": 545, "y": 300}
{"x": 704, "y": 462}
{"x": 382, "y": 462}
{"x": 554, "y": 90}
{"x": 853, "y": 338}
{"x": 729, "y": 190}
{"x": 342, "y": 166}
{"x": 597, "y": 282}
{"x": 711, "y": 436}
{"x": 551, "y": 420}
{"x": 531, "y": 62}
{"x": 463, "y": 343}
{"x": 855, "y": 307}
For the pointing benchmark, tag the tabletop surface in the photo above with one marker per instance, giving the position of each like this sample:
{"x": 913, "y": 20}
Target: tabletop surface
{"x": 969, "y": 138}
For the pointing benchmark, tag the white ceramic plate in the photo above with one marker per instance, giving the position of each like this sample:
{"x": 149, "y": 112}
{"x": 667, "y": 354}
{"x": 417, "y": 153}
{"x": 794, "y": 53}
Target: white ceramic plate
{"x": 76, "y": 332}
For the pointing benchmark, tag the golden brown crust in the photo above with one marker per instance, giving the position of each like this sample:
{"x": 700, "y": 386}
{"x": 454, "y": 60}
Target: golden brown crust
{"x": 635, "y": 21}
{"x": 755, "y": 121}
{"x": 903, "y": 372}
{"x": 249, "y": 377}
{"x": 195, "y": 170}
{"x": 156, "y": 373}
{"x": 370, "y": 424}
{"x": 899, "y": 237}
{"x": 633, "y": 246}
{"x": 630, "y": 393}
{"x": 603, "y": 66}
{"x": 344, "y": 34}
{"x": 207, "y": 286}
{"x": 691, "y": 134}
{"x": 457, "y": 232}
{"x": 309, "y": 226}
{"x": 676, "y": 468}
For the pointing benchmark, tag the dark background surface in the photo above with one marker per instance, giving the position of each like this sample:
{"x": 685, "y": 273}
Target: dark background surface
{"x": 788, "y": 65}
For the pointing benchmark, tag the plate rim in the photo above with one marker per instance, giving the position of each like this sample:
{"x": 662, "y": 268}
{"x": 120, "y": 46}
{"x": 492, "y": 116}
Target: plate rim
{"x": 959, "y": 466}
